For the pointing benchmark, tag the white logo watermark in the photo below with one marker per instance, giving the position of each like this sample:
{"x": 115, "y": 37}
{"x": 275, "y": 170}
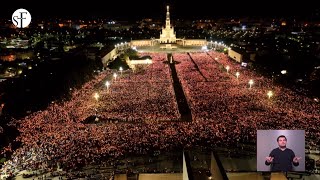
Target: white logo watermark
{"x": 21, "y": 18}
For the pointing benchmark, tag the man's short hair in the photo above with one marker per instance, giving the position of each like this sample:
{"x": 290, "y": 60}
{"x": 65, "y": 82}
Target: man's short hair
{"x": 281, "y": 136}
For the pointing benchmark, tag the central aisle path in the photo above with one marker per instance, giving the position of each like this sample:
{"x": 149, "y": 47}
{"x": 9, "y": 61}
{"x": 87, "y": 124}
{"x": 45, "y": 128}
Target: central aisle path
{"x": 183, "y": 106}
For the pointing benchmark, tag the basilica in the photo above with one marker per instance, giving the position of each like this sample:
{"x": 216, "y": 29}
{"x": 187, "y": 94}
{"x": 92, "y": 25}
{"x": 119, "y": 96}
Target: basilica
{"x": 168, "y": 39}
{"x": 167, "y": 34}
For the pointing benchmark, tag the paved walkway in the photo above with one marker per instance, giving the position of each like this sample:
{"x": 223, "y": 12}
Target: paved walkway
{"x": 197, "y": 67}
{"x": 183, "y": 106}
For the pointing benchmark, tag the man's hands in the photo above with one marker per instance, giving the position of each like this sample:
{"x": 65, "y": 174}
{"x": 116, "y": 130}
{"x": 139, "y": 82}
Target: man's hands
{"x": 269, "y": 159}
{"x": 296, "y": 159}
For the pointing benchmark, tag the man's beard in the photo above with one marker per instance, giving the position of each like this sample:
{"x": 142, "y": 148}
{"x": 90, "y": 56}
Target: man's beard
{"x": 283, "y": 146}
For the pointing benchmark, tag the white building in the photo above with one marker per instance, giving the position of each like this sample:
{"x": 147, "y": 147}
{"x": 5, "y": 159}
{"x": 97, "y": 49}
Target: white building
{"x": 167, "y": 34}
{"x": 237, "y": 56}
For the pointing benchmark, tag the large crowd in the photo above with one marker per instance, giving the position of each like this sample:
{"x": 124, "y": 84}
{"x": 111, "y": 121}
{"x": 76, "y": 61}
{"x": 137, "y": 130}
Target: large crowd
{"x": 228, "y": 98}
{"x": 225, "y": 111}
{"x": 133, "y": 97}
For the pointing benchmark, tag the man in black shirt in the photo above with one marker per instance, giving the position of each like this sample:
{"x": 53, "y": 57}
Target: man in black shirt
{"x": 282, "y": 158}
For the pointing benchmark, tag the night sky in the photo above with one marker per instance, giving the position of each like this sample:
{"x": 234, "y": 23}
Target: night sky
{"x": 136, "y": 9}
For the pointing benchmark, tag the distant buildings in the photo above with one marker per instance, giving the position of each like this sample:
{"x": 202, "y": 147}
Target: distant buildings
{"x": 117, "y": 25}
{"x": 237, "y": 56}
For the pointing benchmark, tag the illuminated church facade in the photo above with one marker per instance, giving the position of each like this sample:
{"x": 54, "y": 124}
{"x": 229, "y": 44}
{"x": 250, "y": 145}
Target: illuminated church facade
{"x": 167, "y": 34}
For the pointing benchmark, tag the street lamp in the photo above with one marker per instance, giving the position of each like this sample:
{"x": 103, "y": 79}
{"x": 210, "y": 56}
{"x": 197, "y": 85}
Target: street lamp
{"x": 270, "y": 93}
{"x": 227, "y": 68}
{"x": 121, "y": 69}
{"x": 250, "y": 83}
{"x": 115, "y": 76}
{"x": 96, "y": 96}
{"x": 108, "y": 84}
{"x": 237, "y": 74}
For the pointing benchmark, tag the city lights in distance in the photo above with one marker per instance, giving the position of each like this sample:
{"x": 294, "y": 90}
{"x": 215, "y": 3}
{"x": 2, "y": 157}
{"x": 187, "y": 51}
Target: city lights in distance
{"x": 284, "y": 72}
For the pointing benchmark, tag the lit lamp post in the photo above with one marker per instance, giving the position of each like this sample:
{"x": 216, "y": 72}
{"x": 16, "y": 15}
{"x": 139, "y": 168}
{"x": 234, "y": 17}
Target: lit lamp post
{"x": 115, "y": 76}
{"x": 107, "y": 85}
{"x": 250, "y": 83}
{"x": 227, "y": 68}
{"x": 237, "y": 75}
{"x": 96, "y": 96}
{"x": 270, "y": 94}
{"x": 121, "y": 69}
